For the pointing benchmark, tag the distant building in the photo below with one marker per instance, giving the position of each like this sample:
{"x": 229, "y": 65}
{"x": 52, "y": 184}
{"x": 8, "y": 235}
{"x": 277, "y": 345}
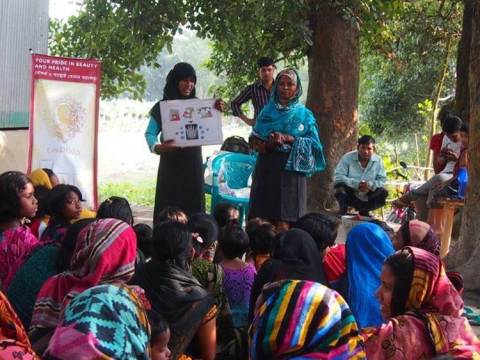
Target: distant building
{"x": 23, "y": 29}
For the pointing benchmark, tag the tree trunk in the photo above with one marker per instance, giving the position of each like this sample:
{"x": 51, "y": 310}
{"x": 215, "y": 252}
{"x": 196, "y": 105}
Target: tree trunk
{"x": 463, "y": 62}
{"x": 467, "y": 255}
{"x": 333, "y": 69}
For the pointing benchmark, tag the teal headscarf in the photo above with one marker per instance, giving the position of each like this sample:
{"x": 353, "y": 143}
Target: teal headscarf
{"x": 306, "y": 153}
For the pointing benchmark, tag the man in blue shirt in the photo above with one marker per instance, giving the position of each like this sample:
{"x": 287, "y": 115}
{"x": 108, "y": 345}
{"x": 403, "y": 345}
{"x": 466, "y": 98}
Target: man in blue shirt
{"x": 360, "y": 178}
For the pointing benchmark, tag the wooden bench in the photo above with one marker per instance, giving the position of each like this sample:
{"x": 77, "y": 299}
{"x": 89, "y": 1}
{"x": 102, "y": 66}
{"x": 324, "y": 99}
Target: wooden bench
{"x": 441, "y": 220}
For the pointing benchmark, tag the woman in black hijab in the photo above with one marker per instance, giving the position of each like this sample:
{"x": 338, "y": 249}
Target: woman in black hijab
{"x": 180, "y": 173}
{"x": 295, "y": 256}
{"x": 174, "y": 293}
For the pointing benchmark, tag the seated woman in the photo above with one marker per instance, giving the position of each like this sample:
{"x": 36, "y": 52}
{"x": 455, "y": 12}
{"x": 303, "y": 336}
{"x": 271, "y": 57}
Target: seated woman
{"x": 64, "y": 206}
{"x": 286, "y": 136}
{"x": 45, "y": 261}
{"x": 303, "y": 320}
{"x": 14, "y": 343}
{"x": 174, "y": 293}
{"x": 367, "y": 248}
{"x": 294, "y": 256}
{"x": 423, "y": 312}
{"x": 103, "y": 322}
{"x": 105, "y": 253}
{"x": 17, "y": 201}
{"x": 323, "y": 229}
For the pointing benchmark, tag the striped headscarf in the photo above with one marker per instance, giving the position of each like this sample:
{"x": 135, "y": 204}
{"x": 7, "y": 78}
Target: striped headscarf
{"x": 432, "y": 323}
{"x": 104, "y": 254}
{"x": 103, "y": 322}
{"x": 303, "y": 320}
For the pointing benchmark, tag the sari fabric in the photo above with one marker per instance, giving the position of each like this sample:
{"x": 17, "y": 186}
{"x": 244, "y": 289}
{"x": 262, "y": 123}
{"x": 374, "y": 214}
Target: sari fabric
{"x": 303, "y": 320}
{"x": 367, "y": 248}
{"x": 14, "y": 343}
{"x": 55, "y": 232}
{"x": 15, "y": 245}
{"x": 105, "y": 253}
{"x": 306, "y": 153}
{"x": 103, "y": 322}
{"x": 432, "y": 324}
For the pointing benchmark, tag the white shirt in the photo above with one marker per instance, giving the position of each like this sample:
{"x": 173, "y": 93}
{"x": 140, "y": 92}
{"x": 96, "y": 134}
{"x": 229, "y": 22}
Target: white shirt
{"x": 456, "y": 147}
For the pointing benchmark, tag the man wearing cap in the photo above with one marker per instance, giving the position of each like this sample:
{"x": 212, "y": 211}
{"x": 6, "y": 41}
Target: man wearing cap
{"x": 258, "y": 92}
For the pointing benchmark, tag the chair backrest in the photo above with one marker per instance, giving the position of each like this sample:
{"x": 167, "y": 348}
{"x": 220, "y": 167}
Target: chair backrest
{"x": 236, "y": 169}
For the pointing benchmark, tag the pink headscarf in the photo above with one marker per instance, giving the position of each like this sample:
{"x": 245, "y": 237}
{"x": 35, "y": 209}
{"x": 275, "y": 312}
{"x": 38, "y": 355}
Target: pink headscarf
{"x": 105, "y": 254}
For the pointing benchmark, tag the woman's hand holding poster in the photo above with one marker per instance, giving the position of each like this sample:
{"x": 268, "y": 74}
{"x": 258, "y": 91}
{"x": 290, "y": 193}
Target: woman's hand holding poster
{"x": 191, "y": 122}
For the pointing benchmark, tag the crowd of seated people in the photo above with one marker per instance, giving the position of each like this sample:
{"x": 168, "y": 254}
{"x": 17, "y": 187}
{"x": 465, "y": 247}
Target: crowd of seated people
{"x": 203, "y": 287}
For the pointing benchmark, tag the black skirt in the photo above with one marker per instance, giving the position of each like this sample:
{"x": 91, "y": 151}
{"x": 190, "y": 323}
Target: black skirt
{"x": 180, "y": 181}
{"x": 277, "y": 194}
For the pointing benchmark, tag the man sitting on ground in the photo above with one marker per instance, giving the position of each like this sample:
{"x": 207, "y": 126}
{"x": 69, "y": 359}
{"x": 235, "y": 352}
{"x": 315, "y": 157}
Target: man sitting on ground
{"x": 359, "y": 179}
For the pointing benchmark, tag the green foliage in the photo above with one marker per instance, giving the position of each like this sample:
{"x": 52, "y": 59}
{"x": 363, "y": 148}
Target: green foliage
{"x": 401, "y": 67}
{"x": 123, "y": 34}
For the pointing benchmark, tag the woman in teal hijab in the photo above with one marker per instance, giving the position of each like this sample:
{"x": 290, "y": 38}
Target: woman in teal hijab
{"x": 286, "y": 138}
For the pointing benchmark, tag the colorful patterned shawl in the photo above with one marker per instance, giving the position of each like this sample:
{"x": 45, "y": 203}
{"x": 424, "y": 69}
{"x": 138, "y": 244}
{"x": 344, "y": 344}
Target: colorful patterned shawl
{"x": 306, "y": 153}
{"x": 367, "y": 248}
{"x": 103, "y": 322}
{"x": 104, "y": 254}
{"x": 15, "y": 245}
{"x": 14, "y": 343}
{"x": 303, "y": 320}
{"x": 433, "y": 322}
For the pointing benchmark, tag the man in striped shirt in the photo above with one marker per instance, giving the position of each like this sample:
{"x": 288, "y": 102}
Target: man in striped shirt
{"x": 258, "y": 92}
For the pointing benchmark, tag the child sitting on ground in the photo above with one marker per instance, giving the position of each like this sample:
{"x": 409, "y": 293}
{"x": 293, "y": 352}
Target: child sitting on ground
{"x": 261, "y": 234}
{"x": 116, "y": 207}
{"x": 64, "y": 207}
{"x": 225, "y": 214}
{"x": 159, "y": 337}
{"x": 239, "y": 275}
{"x": 144, "y": 242}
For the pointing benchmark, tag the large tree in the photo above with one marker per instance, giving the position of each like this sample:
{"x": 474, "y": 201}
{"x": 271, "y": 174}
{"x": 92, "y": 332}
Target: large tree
{"x": 462, "y": 96}
{"x": 120, "y": 32}
{"x": 466, "y": 253}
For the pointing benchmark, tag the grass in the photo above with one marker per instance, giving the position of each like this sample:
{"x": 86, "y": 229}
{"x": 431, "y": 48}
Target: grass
{"x": 141, "y": 193}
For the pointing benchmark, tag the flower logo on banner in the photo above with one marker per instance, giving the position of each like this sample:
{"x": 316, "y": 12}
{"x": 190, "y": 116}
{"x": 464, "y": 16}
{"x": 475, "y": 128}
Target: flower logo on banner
{"x": 67, "y": 119}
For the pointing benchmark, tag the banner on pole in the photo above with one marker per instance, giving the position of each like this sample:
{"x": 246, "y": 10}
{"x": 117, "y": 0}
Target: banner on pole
{"x": 64, "y": 120}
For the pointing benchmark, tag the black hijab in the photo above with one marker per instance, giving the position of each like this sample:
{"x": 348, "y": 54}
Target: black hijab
{"x": 170, "y": 287}
{"x": 295, "y": 256}
{"x": 179, "y": 72}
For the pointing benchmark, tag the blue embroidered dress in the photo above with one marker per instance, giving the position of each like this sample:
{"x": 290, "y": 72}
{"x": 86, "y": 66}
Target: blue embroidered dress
{"x": 279, "y": 180}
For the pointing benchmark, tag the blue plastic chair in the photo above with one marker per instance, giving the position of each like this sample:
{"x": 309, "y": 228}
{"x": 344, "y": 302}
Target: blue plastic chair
{"x": 236, "y": 169}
